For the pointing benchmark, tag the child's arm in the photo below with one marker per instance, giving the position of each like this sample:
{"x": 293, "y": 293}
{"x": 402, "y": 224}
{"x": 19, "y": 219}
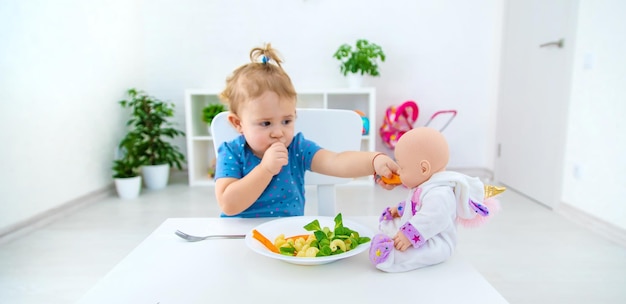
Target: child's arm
{"x": 354, "y": 164}
{"x": 236, "y": 195}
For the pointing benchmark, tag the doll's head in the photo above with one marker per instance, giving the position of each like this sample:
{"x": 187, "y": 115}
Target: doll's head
{"x": 420, "y": 153}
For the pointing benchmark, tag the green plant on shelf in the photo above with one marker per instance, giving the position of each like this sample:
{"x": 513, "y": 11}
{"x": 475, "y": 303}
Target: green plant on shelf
{"x": 362, "y": 59}
{"x": 210, "y": 111}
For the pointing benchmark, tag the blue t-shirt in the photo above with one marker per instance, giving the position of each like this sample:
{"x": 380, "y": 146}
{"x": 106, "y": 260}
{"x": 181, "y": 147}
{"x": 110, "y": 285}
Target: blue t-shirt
{"x": 284, "y": 196}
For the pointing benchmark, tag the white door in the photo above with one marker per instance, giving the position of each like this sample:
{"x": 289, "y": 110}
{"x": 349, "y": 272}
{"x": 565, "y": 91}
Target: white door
{"x": 533, "y": 98}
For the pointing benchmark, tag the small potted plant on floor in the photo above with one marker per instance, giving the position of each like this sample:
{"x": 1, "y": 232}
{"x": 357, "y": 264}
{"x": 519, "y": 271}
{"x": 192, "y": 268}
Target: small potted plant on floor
{"x": 152, "y": 129}
{"x": 126, "y": 175}
{"x": 210, "y": 111}
{"x": 360, "y": 60}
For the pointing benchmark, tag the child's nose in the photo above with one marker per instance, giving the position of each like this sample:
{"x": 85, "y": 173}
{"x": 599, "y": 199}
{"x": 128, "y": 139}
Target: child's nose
{"x": 276, "y": 132}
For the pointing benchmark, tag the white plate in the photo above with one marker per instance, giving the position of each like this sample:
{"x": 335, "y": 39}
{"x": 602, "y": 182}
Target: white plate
{"x": 294, "y": 226}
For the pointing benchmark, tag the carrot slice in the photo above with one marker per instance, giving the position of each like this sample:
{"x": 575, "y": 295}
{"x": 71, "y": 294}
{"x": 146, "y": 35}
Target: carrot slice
{"x": 394, "y": 180}
{"x": 267, "y": 243}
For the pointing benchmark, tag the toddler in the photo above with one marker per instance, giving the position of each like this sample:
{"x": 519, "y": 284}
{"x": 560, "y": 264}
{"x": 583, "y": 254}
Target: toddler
{"x": 261, "y": 173}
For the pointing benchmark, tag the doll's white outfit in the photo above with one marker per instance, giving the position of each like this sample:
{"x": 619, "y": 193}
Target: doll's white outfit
{"x": 428, "y": 218}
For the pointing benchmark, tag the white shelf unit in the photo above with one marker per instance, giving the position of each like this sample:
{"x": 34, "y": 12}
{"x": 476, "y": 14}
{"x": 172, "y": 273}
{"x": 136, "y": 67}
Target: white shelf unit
{"x": 200, "y": 144}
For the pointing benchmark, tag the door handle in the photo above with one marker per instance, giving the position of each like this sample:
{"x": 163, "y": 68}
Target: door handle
{"x": 558, "y": 43}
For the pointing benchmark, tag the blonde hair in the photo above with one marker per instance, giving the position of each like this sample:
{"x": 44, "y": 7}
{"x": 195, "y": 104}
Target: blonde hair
{"x": 251, "y": 80}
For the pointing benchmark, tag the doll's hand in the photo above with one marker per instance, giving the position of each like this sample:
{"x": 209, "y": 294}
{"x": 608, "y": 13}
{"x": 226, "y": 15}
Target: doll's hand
{"x": 401, "y": 242}
{"x": 389, "y": 214}
{"x": 274, "y": 158}
{"x": 394, "y": 211}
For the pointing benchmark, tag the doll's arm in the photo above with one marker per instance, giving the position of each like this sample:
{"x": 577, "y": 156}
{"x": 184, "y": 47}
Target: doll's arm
{"x": 435, "y": 216}
{"x": 392, "y": 212}
{"x": 401, "y": 241}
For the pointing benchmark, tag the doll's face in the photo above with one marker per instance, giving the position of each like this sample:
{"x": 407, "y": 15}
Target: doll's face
{"x": 411, "y": 173}
{"x": 420, "y": 153}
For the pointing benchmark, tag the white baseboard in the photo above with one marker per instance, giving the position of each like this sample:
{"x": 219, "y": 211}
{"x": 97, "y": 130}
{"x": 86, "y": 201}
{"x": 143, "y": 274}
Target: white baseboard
{"x": 44, "y": 218}
{"x": 605, "y": 229}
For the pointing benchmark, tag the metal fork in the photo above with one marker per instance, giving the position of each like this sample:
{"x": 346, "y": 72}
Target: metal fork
{"x": 193, "y": 238}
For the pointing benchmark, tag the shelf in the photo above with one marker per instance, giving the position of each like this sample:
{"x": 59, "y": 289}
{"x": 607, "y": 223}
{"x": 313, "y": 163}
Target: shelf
{"x": 200, "y": 151}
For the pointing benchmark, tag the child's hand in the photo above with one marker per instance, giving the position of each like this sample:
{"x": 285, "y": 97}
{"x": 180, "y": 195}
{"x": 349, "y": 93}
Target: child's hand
{"x": 275, "y": 157}
{"x": 401, "y": 242}
{"x": 384, "y": 166}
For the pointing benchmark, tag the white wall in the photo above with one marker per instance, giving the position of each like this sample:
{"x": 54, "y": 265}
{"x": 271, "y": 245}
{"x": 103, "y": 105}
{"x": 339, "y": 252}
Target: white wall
{"x": 65, "y": 64}
{"x": 63, "y": 67}
{"x": 595, "y": 175}
{"x": 443, "y": 54}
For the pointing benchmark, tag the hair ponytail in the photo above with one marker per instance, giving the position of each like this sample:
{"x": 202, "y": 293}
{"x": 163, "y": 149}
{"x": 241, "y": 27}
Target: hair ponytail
{"x": 265, "y": 55}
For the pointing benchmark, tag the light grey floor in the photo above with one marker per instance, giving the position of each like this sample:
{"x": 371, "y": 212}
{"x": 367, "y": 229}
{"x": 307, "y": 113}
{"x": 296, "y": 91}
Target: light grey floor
{"x": 527, "y": 252}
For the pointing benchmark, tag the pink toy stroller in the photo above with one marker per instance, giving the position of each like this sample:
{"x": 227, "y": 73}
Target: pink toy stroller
{"x": 399, "y": 120}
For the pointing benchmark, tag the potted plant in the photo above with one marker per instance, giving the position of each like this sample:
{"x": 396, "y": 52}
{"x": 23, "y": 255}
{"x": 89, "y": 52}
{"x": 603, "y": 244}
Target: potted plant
{"x": 126, "y": 175}
{"x": 150, "y": 129}
{"x": 210, "y": 111}
{"x": 360, "y": 60}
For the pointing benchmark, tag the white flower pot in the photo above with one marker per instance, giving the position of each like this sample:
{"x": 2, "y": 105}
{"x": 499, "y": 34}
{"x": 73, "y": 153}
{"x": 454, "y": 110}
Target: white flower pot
{"x": 128, "y": 188}
{"x": 156, "y": 177}
{"x": 355, "y": 80}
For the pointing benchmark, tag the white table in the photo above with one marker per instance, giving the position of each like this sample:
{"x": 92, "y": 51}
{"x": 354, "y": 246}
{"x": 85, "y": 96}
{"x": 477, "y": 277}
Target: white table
{"x": 166, "y": 269}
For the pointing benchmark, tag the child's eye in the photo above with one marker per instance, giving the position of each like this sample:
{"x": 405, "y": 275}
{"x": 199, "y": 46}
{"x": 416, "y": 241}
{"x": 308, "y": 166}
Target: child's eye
{"x": 287, "y": 121}
{"x": 265, "y": 124}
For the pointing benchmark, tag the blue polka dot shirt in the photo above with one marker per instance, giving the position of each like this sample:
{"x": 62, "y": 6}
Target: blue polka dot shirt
{"x": 284, "y": 196}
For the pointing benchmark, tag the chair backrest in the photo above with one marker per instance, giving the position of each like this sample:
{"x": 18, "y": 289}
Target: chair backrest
{"x": 333, "y": 129}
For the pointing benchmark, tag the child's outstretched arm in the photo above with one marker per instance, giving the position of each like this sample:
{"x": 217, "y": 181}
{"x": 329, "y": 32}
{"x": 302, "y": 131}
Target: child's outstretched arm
{"x": 354, "y": 164}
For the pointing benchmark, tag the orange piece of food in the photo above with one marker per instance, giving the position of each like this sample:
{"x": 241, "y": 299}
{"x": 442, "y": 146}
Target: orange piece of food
{"x": 295, "y": 237}
{"x": 394, "y": 180}
{"x": 267, "y": 243}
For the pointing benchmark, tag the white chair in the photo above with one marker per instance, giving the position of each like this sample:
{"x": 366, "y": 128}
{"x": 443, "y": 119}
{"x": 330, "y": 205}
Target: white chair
{"x": 332, "y": 129}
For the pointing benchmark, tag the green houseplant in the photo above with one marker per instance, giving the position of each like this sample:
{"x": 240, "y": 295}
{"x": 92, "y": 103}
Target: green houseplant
{"x": 362, "y": 59}
{"x": 126, "y": 169}
{"x": 150, "y": 127}
{"x": 210, "y": 111}
{"x": 129, "y": 164}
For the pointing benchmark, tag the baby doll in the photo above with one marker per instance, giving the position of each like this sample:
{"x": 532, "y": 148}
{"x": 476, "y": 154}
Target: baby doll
{"x": 421, "y": 230}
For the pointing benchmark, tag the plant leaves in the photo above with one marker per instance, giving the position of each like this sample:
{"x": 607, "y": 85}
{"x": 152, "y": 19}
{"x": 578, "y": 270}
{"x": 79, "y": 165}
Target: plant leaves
{"x": 149, "y": 123}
